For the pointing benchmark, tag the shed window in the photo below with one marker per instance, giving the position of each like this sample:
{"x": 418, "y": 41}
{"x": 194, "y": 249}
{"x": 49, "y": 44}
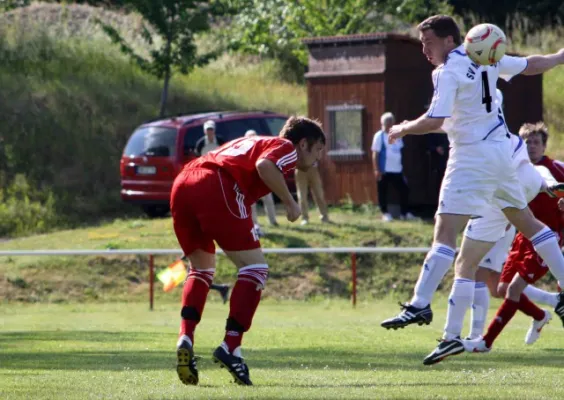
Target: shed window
{"x": 345, "y": 129}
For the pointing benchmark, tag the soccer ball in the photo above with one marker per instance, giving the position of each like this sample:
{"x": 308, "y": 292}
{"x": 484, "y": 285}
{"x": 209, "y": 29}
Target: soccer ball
{"x": 485, "y": 44}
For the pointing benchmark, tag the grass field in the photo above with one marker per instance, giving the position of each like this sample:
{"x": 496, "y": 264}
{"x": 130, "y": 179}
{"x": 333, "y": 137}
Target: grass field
{"x": 301, "y": 350}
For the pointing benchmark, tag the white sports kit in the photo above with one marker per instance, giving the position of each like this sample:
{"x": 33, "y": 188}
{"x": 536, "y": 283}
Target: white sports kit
{"x": 478, "y": 170}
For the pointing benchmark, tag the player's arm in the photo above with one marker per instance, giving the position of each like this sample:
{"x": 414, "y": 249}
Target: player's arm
{"x": 422, "y": 125}
{"x": 537, "y": 64}
{"x": 274, "y": 179}
{"x": 442, "y": 107}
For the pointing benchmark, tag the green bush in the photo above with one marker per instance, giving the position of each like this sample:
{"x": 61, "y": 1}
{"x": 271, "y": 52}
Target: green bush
{"x": 25, "y": 209}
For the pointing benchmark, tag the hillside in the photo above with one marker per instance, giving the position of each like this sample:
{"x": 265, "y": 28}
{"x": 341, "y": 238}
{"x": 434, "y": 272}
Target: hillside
{"x": 70, "y": 100}
{"x": 56, "y": 279}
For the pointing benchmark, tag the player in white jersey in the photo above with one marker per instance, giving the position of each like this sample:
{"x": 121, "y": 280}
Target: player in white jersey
{"x": 479, "y": 170}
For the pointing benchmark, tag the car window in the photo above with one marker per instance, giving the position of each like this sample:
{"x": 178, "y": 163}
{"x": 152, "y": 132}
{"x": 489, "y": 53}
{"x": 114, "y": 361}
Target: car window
{"x": 226, "y": 130}
{"x": 151, "y": 141}
{"x": 275, "y": 125}
{"x": 229, "y": 130}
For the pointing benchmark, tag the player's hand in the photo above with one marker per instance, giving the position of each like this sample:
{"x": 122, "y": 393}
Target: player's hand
{"x": 561, "y": 204}
{"x": 377, "y": 175}
{"x": 293, "y": 211}
{"x": 396, "y": 132}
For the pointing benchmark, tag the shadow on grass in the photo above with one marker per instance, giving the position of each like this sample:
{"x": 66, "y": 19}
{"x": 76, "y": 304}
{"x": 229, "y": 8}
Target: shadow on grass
{"x": 321, "y": 358}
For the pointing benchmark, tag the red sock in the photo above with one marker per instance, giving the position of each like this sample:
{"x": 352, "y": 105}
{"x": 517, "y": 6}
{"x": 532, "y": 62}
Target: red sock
{"x": 194, "y": 295}
{"x": 529, "y": 308}
{"x": 502, "y": 317}
{"x": 243, "y": 304}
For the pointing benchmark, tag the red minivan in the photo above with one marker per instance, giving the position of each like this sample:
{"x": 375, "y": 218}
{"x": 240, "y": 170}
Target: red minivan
{"x": 156, "y": 151}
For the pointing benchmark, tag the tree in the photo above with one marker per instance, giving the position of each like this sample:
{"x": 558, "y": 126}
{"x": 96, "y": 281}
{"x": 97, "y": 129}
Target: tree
{"x": 275, "y": 28}
{"x": 176, "y": 22}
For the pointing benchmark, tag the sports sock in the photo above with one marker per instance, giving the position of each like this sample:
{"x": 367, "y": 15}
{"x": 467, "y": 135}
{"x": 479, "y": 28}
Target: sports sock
{"x": 503, "y": 315}
{"x": 435, "y": 266}
{"x": 460, "y": 299}
{"x": 243, "y": 304}
{"x": 529, "y": 308}
{"x": 541, "y": 296}
{"x": 546, "y": 245}
{"x": 479, "y": 309}
{"x": 194, "y": 294}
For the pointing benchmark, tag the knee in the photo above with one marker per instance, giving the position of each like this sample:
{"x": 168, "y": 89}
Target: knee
{"x": 501, "y": 290}
{"x": 513, "y": 292}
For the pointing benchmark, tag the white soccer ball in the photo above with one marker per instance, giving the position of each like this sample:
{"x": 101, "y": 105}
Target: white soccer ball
{"x": 485, "y": 44}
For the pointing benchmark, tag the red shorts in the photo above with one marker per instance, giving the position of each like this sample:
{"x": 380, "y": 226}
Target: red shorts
{"x": 206, "y": 205}
{"x": 523, "y": 260}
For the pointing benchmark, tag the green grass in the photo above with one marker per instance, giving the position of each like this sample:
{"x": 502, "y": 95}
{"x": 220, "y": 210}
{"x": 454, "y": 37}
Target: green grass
{"x": 295, "y": 350}
{"x": 56, "y": 279}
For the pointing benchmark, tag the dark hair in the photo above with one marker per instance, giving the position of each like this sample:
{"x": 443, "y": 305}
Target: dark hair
{"x": 442, "y": 26}
{"x": 527, "y": 130}
{"x": 298, "y": 128}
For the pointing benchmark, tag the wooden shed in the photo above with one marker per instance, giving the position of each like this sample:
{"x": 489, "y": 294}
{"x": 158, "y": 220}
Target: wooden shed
{"x": 352, "y": 80}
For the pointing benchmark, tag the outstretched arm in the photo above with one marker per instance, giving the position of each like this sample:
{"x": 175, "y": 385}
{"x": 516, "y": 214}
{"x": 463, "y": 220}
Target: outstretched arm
{"x": 538, "y": 64}
{"x": 423, "y": 124}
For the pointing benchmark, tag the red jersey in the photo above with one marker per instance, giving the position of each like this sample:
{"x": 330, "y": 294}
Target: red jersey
{"x": 544, "y": 207}
{"x": 238, "y": 158}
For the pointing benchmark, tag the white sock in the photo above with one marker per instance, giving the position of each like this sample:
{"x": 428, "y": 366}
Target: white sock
{"x": 537, "y": 295}
{"x": 460, "y": 299}
{"x": 546, "y": 245}
{"x": 479, "y": 309}
{"x": 435, "y": 266}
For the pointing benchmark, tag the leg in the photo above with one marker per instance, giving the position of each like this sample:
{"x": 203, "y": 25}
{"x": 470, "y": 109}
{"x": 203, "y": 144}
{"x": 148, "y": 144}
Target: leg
{"x": 245, "y": 298}
{"x": 541, "y": 296}
{"x": 403, "y": 190}
{"x": 222, "y": 289}
{"x": 543, "y": 239}
{"x": 303, "y": 193}
{"x": 195, "y": 291}
{"x": 317, "y": 193}
{"x": 460, "y": 299}
{"x": 490, "y": 268}
{"x": 383, "y": 196}
{"x": 481, "y": 303}
{"x": 436, "y": 264}
{"x": 268, "y": 202}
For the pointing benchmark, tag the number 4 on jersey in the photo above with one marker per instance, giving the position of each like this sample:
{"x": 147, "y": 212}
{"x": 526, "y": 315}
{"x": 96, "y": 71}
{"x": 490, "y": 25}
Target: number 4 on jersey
{"x": 486, "y": 95}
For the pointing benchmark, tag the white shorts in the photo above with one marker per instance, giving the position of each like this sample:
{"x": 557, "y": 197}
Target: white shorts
{"x": 479, "y": 175}
{"x": 491, "y": 227}
{"x": 497, "y": 255}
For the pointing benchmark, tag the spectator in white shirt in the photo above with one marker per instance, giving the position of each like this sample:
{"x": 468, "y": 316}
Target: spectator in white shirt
{"x": 388, "y": 169}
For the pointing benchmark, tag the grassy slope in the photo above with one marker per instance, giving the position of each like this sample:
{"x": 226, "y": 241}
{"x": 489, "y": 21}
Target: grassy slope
{"x": 296, "y": 276}
{"x": 69, "y": 104}
{"x": 297, "y": 350}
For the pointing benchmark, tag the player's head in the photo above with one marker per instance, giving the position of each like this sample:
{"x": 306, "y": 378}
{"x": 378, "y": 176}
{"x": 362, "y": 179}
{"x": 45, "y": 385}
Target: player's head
{"x": 308, "y": 138}
{"x": 209, "y": 128}
{"x": 439, "y": 34}
{"x": 387, "y": 120}
{"x": 536, "y": 137}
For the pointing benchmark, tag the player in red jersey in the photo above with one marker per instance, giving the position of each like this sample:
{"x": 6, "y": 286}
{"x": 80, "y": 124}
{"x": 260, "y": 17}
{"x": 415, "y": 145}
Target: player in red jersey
{"x": 211, "y": 201}
{"x": 524, "y": 266}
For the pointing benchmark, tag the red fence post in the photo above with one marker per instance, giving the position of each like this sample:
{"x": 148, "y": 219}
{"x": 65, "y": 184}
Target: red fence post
{"x": 353, "y": 267}
{"x": 151, "y": 281}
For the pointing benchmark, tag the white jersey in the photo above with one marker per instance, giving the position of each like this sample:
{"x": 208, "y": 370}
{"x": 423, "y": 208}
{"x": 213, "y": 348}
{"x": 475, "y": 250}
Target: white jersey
{"x": 465, "y": 95}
